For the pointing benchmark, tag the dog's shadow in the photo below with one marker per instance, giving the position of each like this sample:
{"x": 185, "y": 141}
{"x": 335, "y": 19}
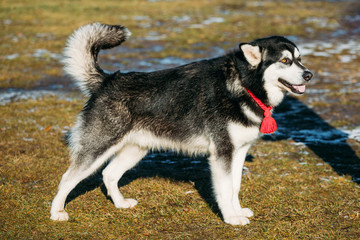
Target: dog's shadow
{"x": 295, "y": 121}
{"x": 298, "y": 122}
{"x": 168, "y": 165}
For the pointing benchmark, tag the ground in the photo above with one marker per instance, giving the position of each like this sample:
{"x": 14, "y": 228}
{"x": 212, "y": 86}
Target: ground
{"x": 302, "y": 182}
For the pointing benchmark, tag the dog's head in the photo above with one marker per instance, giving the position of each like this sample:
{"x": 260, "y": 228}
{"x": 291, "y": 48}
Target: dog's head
{"x": 278, "y": 61}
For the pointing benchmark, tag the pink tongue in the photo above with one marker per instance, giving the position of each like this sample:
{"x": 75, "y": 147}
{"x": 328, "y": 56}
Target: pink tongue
{"x": 300, "y": 88}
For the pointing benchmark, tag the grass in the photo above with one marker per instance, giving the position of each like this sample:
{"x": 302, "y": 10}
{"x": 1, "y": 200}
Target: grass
{"x": 290, "y": 199}
{"x": 293, "y": 192}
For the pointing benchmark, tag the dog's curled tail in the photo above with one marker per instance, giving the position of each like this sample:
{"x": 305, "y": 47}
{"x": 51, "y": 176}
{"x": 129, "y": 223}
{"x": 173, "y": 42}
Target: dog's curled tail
{"x": 81, "y": 52}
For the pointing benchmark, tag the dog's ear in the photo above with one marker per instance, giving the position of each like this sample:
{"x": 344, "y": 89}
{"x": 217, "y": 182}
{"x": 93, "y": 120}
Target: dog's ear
{"x": 251, "y": 53}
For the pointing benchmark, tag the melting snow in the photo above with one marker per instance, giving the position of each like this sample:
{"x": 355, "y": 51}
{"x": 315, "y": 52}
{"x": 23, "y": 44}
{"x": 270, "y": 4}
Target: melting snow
{"x": 43, "y": 53}
{"x": 353, "y": 134}
{"x": 12, "y": 95}
{"x": 12, "y": 56}
{"x": 327, "y": 49}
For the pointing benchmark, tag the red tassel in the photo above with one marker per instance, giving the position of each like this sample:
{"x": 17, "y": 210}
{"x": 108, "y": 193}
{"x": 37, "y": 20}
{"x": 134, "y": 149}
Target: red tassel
{"x": 268, "y": 124}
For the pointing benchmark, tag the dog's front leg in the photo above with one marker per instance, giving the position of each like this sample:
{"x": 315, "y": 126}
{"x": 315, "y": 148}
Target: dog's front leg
{"x": 237, "y": 165}
{"x": 223, "y": 184}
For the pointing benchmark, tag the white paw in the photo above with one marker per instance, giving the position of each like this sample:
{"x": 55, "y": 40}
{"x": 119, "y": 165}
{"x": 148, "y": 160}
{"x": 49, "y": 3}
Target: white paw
{"x": 246, "y": 212}
{"x": 237, "y": 220}
{"x": 126, "y": 203}
{"x": 59, "y": 216}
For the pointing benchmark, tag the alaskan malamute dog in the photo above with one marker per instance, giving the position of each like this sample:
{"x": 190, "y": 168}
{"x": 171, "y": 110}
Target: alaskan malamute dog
{"x": 214, "y": 107}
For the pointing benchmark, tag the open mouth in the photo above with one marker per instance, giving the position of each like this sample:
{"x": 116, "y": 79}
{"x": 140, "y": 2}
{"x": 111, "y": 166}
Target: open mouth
{"x": 298, "y": 89}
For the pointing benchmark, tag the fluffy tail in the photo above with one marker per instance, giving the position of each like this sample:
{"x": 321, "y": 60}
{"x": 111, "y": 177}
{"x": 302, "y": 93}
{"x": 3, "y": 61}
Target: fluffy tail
{"x": 81, "y": 52}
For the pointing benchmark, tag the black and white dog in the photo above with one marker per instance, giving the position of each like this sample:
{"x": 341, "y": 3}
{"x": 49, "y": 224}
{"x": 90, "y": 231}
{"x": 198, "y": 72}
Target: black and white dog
{"x": 202, "y": 107}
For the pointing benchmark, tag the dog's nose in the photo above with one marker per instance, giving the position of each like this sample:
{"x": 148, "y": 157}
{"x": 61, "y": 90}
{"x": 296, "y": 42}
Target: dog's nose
{"x": 307, "y": 75}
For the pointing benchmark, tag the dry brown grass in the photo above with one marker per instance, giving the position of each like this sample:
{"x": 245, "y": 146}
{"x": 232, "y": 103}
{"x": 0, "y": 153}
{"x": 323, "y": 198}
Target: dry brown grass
{"x": 291, "y": 200}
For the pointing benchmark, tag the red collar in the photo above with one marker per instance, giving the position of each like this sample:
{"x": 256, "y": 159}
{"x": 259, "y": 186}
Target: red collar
{"x": 268, "y": 124}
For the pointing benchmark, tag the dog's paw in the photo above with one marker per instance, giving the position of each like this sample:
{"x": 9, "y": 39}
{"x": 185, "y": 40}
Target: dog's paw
{"x": 237, "y": 220}
{"x": 126, "y": 203}
{"x": 59, "y": 216}
{"x": 246, "y": 212}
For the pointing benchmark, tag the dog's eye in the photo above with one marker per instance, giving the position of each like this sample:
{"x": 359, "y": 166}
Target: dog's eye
{"x": 286, "y": 60}
{"x": 299, "y": 58}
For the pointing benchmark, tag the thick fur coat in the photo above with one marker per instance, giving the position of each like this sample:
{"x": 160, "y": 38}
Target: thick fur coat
{"x": 201, "y": 107}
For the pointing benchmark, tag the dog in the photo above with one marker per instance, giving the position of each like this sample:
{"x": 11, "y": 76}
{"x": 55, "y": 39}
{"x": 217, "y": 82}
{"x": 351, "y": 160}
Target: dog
{"x": 211, "y": 107}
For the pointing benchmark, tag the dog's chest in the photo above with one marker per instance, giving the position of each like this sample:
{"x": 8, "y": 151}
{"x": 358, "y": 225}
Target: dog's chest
{"x": 241, "y": 135}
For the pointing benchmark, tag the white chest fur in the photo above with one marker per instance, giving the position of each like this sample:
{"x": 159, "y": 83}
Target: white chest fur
{"x": 241, "y": 135}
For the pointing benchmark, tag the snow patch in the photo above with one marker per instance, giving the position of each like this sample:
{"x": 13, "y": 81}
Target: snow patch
{"x": 353, "y": 134}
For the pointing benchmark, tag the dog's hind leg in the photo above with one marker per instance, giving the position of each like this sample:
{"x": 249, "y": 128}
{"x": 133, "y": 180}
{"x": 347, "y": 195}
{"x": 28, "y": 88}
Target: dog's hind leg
{"x": 125, "y": 159}
{"x": 68, "y": 182}
{"x": 78, "y": 171}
